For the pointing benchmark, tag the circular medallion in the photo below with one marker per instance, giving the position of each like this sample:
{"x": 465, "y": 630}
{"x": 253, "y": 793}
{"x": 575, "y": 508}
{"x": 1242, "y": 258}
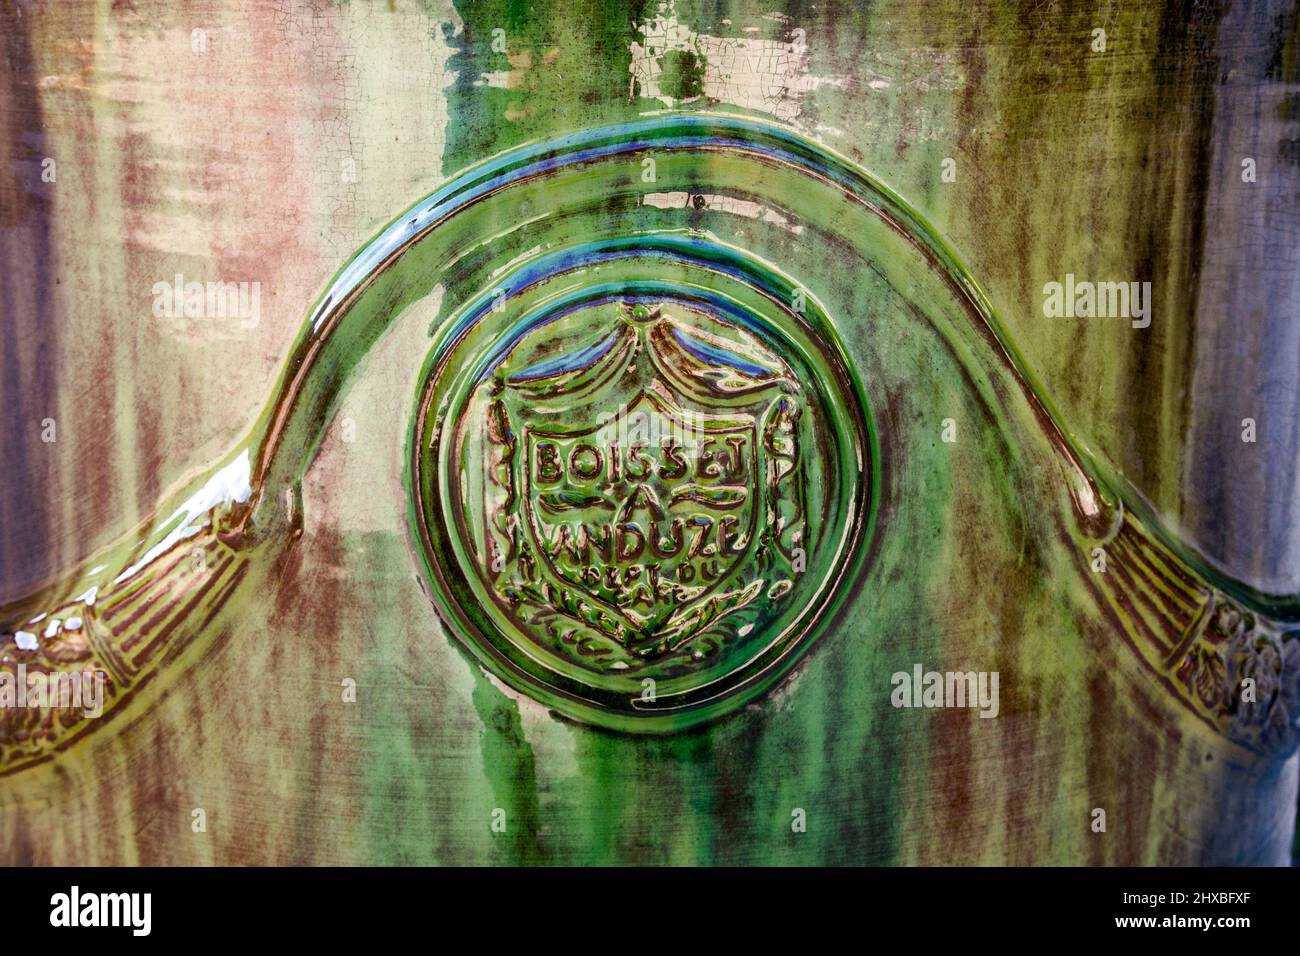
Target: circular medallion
{"x": 641, "y": 478}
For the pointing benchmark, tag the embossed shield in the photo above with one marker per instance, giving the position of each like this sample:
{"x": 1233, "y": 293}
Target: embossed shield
{"x": 646, "y": 514}
{"x": 621, "y": 474}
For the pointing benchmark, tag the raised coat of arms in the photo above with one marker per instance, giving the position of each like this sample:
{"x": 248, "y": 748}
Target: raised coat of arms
{"x": 649, "y": 503}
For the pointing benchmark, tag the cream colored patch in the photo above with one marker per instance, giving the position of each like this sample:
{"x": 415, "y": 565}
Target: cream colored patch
{"x": 749, "y": 72}
{"x": 720, "y": 203}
